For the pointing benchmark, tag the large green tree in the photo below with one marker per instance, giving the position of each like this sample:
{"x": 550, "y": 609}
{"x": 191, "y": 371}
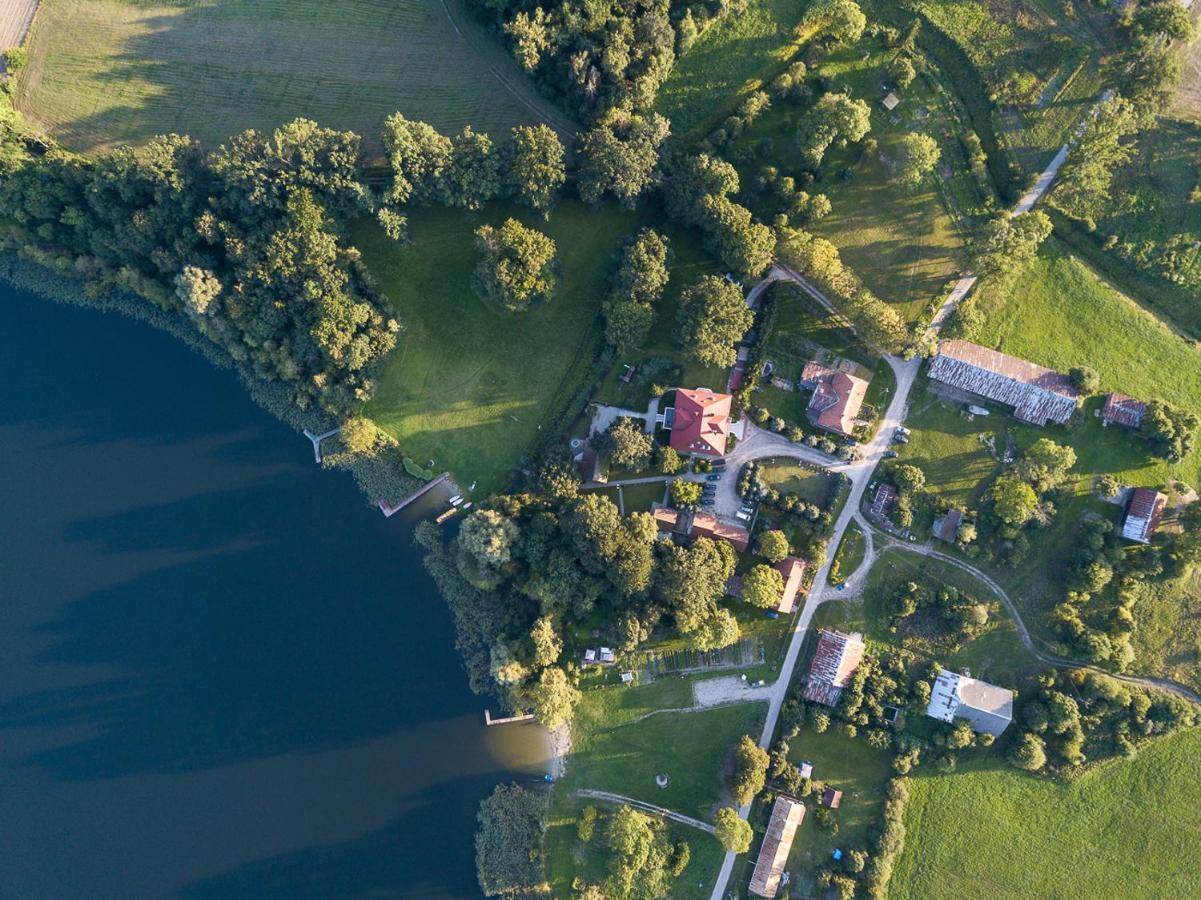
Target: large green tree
{"x": 618, "y": 156}
{"x": 916, "y": 156}
{"x": 762, "y": 586}
{"x": 734, "y": 832}
{"x": 508, "y": 844}
{"x": 516, "y": 267}
{"x": 535, "y": 167}
{"x": 713, "y": 317}
{"x": 836, "y": 117}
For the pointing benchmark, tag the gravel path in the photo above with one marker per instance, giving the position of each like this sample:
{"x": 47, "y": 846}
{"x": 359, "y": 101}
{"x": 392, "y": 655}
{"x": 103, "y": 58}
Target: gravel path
{"x": 646, "y": 807}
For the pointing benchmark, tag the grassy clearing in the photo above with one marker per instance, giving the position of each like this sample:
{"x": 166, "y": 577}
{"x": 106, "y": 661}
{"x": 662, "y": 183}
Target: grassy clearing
{"x": 624, "y": 757}
{"x": 639, "y": 497}
{"x": 1050, "y": 48}
{"x": 858, "y": 770}
{"x": 1168, "y": 640}
{"x": 1125, "y": 830}
{"x": 105, "y": 72}
{"x": 1060, "y": 313}
{"x": 460, "y": 388}
{"x": 903, "y": 243}
{"x": 789, "y": 476}
{"x": 996, "y": 654}
{"x": 730, "y": 59}
{"x": 849, "y": 556}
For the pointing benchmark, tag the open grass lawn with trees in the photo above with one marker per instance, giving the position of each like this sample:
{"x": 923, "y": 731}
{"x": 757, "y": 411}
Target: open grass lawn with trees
{"x": 105, "y": 72}
{"x": 1128, "y": 829}
{"x": 616, "y": 750}
{"x": 1060, "y": 313}
{"x": 469, "y": 385}
{"x": 731, "y": 58}
{"x": 904, "y": 242}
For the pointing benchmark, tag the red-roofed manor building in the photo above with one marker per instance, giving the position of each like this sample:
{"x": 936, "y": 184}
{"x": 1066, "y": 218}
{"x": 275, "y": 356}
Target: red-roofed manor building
{"x": 700, "y": 422}
{"x": 837, "y": 397}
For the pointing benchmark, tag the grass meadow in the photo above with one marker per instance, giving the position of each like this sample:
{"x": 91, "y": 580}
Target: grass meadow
{"x": 614, "y": 749}
{"x": 468, "y": 386}
{"x": 904, "y": 243}
{"x": 1060, "y": 313}
{"x": 734, "y": 57}
{"x": 107, "y": 72}
{"x": 1128, "y": 829}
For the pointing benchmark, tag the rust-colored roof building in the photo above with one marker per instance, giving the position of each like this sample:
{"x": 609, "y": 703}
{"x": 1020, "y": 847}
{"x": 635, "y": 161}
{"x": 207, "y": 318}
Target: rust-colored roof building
{"x": 831, "y": 799}
{"x": 837, "y": 397}
{"x": 834, "y": 662}
{"x": 786, "y": 817}
{"x": 1122, "y": 410}
{"x": 708, "y": 525}
{"x": 1143, "y": 515}
{"x": 698, "y": 524}
{"x": 701, "y": 422}
{"x": 1038, "y": 395}
{"x": 793, "y": 570}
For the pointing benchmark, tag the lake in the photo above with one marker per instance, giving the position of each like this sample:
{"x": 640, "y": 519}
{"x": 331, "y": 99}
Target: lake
{"x": 221, "y": 673}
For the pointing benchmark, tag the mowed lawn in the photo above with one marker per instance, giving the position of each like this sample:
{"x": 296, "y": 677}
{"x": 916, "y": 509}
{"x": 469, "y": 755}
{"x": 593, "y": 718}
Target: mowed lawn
{"x": 469, "y": 385}
{"x": 614, "y": 750}
{"x": 105, "y": 72}
{"x": 1127, "y": 830}
{"x": 1060, "y": 313}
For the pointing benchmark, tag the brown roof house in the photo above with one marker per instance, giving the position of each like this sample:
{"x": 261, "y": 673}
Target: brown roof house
{"x": 837, "y": 397}
{"x": 986, "y": 707}
{"x": 786, "y": 817}
{"x": 1143, "y": 514}
{"x": 1037, "y": 395}
{"x": 692, "y": 525}
{"x": 831, "y": 799}
{"x": 793, "y": 570}
{"x": 1122, "y": 410}
{"x": 700, "y": 422}
{"x": 946, "y": 526}
{"x": 834, "y": 662}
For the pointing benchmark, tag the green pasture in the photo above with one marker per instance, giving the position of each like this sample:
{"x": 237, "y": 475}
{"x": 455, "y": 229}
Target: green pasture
{"x": 107, "y": 72}
{"x": 468, "y": 386}
{"x": 1128, "y": 829}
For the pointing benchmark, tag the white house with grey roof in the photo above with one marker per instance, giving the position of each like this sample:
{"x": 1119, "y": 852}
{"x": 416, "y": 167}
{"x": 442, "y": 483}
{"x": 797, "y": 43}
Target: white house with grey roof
{"x": 985, "y": 707}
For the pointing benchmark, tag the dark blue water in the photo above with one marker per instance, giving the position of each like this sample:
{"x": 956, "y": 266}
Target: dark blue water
{"x": 221, "y": 674}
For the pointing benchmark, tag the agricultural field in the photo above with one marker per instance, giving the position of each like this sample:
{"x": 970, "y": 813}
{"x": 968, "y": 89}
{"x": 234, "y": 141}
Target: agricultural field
{"x": 459, "y": 389}
{"x": 1168, "y": 640}
{"x": 1127, "y": 829}
{"x": 904, "y": 243}
{"x": 733, "y": 57}
{"x": 107, "y": 72}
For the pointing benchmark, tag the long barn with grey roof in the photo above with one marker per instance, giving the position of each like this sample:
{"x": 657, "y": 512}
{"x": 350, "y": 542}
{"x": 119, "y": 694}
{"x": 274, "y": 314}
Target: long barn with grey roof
{"x": 1038, "y": 395}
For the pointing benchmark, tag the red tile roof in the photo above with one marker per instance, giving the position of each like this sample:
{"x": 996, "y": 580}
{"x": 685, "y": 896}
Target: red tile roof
{"x": 702, "y": 422}
{"x": 708, "y": 525}
{"x": 831, "y": 798}
{"x": 1123, "y": 410}
{"x": 836, "y": 401}
{"x": 786, "y": 816}
{"x": 834, "y": 662}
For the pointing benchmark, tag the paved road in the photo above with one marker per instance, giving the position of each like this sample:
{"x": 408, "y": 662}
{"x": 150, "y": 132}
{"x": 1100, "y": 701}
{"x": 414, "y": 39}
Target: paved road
{"x": 860, "y": 472}
{"x": 646, "y": 807}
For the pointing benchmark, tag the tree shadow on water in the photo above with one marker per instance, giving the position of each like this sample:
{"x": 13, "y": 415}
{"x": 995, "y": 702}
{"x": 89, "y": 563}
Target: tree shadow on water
{"x": 292, "y": 631}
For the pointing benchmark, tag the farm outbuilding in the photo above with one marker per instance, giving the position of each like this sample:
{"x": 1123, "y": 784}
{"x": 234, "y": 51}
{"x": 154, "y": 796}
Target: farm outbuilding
{"x": 1037, "y": 394}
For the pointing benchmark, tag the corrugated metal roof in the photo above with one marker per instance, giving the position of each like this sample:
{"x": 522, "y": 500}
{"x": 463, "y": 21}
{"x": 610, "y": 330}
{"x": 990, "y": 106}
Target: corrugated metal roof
{"x": 1038, "y": 395}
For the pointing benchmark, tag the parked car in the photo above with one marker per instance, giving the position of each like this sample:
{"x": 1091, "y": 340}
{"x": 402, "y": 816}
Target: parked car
{"x": 719, "y": 464}
{"x": 901, "y": 429}
{"x": 713, "y": 477}
{"x": 890, "y": 454}
{"x": 900, "y": 438}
